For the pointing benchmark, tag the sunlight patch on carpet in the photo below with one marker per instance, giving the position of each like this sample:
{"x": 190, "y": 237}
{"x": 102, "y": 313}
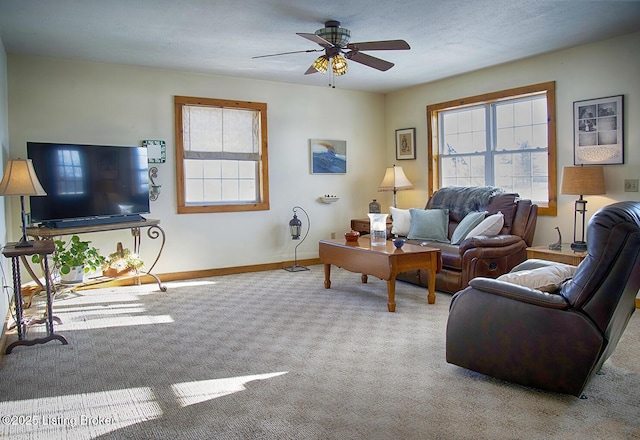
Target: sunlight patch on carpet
{"x": 191, "y": 283}
{"x": 98, "y": 413}
{"x": 99, "y": 310}
{"x": 190, "y": 393}
{"x": 120, "y": 321}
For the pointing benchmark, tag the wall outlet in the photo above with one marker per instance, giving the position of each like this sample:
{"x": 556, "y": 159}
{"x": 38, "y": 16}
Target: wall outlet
{"x": 333, "y": 234}
{"x": 631, "y": 185}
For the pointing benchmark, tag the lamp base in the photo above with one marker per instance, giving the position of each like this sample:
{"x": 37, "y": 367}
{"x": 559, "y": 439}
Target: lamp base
{"x": 295, "y": 268}
{"x": 23, "y": 243}
{"x": 579, "y": 246}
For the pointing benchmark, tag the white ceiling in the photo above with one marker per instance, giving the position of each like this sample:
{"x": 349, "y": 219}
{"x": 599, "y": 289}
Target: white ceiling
{"x": 447, "y": 37}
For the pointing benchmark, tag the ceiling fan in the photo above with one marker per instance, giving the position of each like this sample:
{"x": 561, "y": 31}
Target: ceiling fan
{"x": 334, "y": 41}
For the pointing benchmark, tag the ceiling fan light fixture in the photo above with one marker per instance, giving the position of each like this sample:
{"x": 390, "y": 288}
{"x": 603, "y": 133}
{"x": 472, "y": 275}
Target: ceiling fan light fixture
{"x": 339, "y": 65}
{"x": 334, "y": 34}
{"x": 321, "y": 64}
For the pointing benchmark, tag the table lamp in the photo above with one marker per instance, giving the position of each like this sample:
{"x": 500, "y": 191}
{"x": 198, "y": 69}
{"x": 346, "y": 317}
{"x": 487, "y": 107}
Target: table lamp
{"x": 582, "y": 181}
{"x": 395, "y": 180}
{"x": 20, "y": 179}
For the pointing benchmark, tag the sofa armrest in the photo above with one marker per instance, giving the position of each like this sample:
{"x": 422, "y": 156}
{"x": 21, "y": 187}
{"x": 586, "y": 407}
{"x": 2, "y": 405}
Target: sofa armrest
{"x": 519, "y": 293}
{"x": 486, "y": 241}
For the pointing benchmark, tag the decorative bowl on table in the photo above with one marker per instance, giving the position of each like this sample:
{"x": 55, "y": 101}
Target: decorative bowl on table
{"x": 398, "y": 242}
{"x": 352, "y": 236}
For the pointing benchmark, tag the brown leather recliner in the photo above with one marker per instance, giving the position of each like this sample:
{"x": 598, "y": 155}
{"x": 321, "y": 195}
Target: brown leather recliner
{"x": 554, "y": 341}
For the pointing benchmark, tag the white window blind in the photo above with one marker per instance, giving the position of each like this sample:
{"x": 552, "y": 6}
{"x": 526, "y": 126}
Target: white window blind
{"x": 221, "y": 154}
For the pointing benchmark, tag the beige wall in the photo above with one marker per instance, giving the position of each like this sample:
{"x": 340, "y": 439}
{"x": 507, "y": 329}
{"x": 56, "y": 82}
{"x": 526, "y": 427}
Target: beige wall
{"x": 53, "y": 100}
{"x": 603, "y": 69}
{"x": 4, "y": 144}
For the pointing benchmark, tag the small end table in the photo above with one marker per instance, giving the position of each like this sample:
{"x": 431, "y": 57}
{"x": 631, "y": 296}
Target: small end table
{"x": 566, "y": 255}
{"x": 43, "y": 248}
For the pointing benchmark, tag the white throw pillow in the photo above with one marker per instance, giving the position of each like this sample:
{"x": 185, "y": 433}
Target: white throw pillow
{"x": 491, "y": 225}
{"x": 401, "y": 221}
{"x": 546, "y": 279}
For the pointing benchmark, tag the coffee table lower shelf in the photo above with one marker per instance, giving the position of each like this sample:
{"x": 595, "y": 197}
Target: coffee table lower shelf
{"x": 382, "y": 261}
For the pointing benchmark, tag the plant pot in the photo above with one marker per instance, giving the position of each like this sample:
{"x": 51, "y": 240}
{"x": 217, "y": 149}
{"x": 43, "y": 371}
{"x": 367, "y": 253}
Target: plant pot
{"x": 75, "y": 275}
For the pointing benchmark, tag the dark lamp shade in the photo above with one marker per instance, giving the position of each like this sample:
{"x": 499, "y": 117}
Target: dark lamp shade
{"x": 583, "y": 180}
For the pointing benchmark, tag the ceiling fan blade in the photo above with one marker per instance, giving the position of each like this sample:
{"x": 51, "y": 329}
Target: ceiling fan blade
{"x": 287, "y": 53}
{"x": 311, "y": 70}
{"x": 380, "y": 45}
{"x": 368, "y": 60}
{"x": 316, "y": 39}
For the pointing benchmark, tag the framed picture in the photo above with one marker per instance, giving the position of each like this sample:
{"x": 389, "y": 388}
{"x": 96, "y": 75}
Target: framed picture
{"x": 156, "y": 151}
{"x": 406, "y": 143}
{"x": 328, "y": 156}
{"x": 597, "y": 131}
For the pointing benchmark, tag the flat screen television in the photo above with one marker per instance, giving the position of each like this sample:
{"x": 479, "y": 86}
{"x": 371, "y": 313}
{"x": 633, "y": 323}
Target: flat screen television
{"x": 89, "y": 184}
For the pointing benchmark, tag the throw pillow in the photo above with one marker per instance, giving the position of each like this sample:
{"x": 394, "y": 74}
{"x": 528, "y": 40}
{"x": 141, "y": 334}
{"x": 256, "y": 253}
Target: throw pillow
{"x": 506, "y": 204}
{"x": 546, "y": 279}
{"x": 401, "y": 221}
{"x": 429, "y": 224}
{"x": 466, "y": 225}
{"x": 491, "y": 225}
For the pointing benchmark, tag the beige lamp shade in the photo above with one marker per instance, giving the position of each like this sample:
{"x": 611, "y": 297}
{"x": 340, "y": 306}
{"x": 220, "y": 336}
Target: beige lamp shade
{"x": 583, "y": 180}
{"x": 395, "y": 180}
{"x": 20, "y": 179}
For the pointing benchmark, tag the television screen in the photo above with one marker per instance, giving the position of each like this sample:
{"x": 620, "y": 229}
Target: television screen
{"x": 89, "y": 181}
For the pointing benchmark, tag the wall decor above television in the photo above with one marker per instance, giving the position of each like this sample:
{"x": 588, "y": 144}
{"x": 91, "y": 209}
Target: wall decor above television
{"x": 89, "y": 184}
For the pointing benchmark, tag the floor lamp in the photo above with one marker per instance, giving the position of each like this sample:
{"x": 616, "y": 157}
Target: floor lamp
{"x": 581, "y": 181}
{"x": 395, "y": 180}
{"x": 20, "y": 179}
{"x": 295, "y": 228}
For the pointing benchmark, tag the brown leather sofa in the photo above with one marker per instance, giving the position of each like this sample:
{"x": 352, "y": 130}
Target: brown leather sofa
{"x": 478, "y": 256}
{"x": 554, "y": 341}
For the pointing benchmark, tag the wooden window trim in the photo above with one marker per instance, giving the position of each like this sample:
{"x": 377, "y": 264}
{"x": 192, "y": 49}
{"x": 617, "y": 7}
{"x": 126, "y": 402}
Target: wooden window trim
{"x": 550, "y": 208}
{"x": 263, "y": 204}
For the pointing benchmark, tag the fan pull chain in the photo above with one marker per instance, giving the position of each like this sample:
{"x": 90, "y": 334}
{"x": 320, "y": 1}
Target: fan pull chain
{"x": 332, "y": 76}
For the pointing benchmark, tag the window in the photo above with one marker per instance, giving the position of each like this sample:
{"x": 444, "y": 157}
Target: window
{"x": 221, "y": 155}
{"x": 70, "y": 179}
{"x": 142, "y": 172}
{"x": 504, "y": 139}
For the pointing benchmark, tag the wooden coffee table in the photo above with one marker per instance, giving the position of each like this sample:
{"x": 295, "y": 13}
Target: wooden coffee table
{"x": 384, "y": 262}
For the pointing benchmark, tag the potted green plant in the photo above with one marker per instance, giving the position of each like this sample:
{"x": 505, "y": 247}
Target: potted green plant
{"x": 74, "y": 258}
{"x": 121, "y": 262}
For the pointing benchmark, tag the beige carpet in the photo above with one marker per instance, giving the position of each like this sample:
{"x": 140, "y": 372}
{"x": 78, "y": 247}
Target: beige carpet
{"x": 273, "y": 355}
